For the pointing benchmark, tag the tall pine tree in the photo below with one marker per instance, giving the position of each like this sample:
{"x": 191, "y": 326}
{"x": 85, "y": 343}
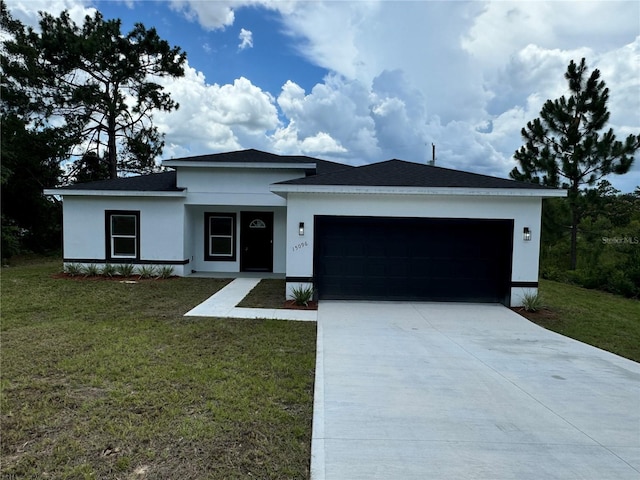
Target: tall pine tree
{"x": 566, "y": 147}
{"x": 101, "y": 82}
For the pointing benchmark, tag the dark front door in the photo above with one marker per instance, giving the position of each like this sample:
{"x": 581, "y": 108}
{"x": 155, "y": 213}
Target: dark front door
{"x": 413, "y": 259}
{"x": 256, "y": 241}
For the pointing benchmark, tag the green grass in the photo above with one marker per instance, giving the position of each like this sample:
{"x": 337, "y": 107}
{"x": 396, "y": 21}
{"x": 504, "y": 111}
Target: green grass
{"x": 269, "y": 293}
{"x": 101, "y": 379}
{"x": 601, "y": 319}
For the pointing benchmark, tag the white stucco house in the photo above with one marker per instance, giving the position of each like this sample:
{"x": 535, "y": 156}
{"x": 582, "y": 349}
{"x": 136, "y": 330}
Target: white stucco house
{"x": 388, "y": 230}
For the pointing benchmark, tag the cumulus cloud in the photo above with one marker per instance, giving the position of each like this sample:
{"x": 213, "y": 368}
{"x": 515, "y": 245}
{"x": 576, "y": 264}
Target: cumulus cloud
{"x": 246, "y": 39}
{"x": 219, "y": 14}
{"x": 215, "y": 117}
{"x": 27, "y": 10}
{"x": 210, "y": 15}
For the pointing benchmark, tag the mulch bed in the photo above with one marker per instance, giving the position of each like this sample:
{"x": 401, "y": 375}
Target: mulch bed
{"x": 291, "y": 304}
{"x": 544, "y": 314}
{"x": 115, "y": 278}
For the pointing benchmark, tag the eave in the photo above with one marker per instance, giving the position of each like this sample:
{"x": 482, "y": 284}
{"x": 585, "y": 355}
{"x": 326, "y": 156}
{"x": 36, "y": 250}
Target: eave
{"x": 283, "y": 190}
{"x": 113, "y": 193}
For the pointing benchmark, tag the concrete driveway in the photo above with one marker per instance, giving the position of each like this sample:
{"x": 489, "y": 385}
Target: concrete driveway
{"x": 467, "y": 391}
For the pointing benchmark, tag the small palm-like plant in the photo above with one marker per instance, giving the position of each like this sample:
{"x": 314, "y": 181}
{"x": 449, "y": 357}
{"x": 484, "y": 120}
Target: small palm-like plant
{"x": 302, "y": 295}
{"x": 126, "y": 269}
{"x": 147, "y": 271}
{"x": 73, "y": 269}
{"x": 531, "y": 302}
{"x": 165, "y": 271}
{"x": 91, "y": 270}
{"x": 109, "y": 270}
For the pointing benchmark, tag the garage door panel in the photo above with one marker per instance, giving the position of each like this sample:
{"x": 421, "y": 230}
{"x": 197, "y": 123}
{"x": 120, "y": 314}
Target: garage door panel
{"x": 409, "y": 258}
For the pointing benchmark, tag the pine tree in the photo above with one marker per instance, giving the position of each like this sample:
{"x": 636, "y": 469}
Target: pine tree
{"x": 101, "y": 82}
{"x": 565, "y": 146}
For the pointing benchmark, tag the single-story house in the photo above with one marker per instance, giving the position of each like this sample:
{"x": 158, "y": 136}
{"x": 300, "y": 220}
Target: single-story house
{"x": 388, "y": 230}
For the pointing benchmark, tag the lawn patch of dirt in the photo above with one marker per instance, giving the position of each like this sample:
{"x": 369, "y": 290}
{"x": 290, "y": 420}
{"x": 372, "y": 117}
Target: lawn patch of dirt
{"x": 291, "y": 304}
{"x": 539, "y": 317}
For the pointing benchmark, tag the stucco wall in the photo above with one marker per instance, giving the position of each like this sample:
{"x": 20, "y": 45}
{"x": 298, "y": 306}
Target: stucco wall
{"x": 524, "y": 211}
{"x": 234, "y": 186}
{"x": 161, "y": 227}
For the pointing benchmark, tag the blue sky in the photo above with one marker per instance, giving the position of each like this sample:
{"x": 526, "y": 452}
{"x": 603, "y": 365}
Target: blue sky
{"x": 272, "y": 59}
{"x": 363, "y": 81}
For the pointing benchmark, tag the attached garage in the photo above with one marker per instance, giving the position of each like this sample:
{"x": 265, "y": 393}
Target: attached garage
{"x": 398, "y": 230}
{"x": 428, "y": 259}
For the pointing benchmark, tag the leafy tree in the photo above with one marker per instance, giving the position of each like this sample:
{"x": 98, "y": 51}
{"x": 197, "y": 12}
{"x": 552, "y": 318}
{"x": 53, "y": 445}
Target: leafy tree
{"x": 30, "y": 163}
{"x": 565, "y": 146}
{"x": 102, "y": 83}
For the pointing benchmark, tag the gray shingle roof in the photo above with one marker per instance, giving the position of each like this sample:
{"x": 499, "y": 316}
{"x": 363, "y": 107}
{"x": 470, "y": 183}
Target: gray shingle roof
{"x": 392, "y": 173}
{"x": 154, "y": 182}
{"x": 399, "y": 173}
{"x": 257, "y": 156}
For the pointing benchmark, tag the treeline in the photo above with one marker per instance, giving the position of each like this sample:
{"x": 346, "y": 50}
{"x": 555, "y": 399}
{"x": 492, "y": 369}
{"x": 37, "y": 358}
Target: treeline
{"x": 608, "y": 241}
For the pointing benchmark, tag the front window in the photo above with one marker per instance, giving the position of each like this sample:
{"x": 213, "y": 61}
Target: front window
{"x": 220, "y": 236}
{"x": 123, "y": 234}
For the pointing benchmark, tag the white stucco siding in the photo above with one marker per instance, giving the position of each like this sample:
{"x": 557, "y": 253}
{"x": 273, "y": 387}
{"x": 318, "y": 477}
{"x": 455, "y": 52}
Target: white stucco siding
{"x": 161, "y": 227}
{"x": 525, "y": 212}
{"x": 233, "y": 187}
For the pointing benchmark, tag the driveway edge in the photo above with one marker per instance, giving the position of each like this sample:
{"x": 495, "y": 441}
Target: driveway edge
{"x": 317, "y": 433}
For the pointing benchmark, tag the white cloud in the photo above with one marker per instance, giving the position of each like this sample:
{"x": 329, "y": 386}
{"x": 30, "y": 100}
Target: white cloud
{"x": 321, "y": 143}
{"x": 27, "y": 10}
{"x": 219, "y": 14}
{"x": 246, "y": 39}
{"x": 210, "y": 15}
{"x": 215, "y": 117}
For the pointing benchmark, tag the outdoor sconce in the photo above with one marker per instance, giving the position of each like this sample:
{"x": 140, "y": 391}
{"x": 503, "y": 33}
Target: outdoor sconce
{"x": 526, "y": 234}
{"x": 301, "y": 229}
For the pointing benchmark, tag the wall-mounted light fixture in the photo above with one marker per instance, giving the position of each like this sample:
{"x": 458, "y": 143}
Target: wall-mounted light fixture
{"x": 526, "y": 234}
{"x": 301, "y": 229}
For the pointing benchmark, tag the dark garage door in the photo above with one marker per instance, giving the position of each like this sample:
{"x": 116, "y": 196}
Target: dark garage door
{"x": 432, "y": 259}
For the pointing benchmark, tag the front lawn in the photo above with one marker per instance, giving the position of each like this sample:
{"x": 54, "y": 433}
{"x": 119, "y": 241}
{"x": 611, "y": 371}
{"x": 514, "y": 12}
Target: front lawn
{"x": 607, "y": 321}
{"x": 101, "y": 379}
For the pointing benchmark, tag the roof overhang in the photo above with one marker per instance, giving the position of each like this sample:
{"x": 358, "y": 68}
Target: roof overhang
{"x": 252, "y": 165}
{"x": 284, "y": 189}
{"x": 112, "y": 193}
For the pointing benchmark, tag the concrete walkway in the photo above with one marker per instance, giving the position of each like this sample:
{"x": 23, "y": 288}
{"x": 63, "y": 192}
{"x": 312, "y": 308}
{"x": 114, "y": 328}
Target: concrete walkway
{"x": 464, "y": 391}
{"x": 223, "y": 303}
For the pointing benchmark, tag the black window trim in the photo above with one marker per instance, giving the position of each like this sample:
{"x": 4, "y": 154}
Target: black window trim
{"x": 107, "y": 220}
{"x": 207, "y": 224}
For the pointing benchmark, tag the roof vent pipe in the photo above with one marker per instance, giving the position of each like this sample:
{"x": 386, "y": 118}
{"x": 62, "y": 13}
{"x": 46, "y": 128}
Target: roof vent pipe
{"x": 433, "y": 154}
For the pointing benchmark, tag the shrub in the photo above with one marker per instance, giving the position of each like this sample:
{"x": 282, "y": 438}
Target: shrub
{"x": 147, "y": 271}
{"x": 531, "y": 302}
{"x": 73, "y": 269}
{"x": 302, "y": 295}
{"x": 126, "y": 269}
{"x": 11, "y": 238}
{"x": 165, "y": 271}
{"x": 91, "y": 270}
{"x": 109, "y": 270}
